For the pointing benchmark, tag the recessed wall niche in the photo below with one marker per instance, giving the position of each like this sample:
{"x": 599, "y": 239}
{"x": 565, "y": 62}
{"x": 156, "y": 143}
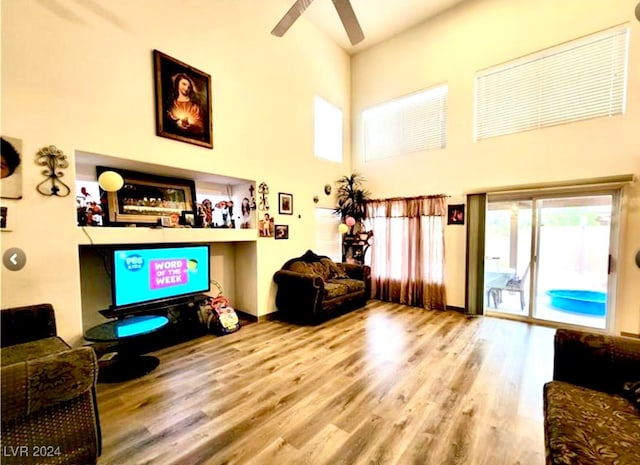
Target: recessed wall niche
{"x": 234, "y": 252}
{"x": 222, "y": 201}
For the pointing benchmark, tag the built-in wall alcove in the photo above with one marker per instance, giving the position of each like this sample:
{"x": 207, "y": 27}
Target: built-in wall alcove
{"x": 227, "y": 267}
{"x": 232, "y": 251}
{"x": 231, "y": 200}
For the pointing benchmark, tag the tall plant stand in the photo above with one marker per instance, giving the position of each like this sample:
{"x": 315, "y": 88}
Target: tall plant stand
{"x": 355, "y": 247}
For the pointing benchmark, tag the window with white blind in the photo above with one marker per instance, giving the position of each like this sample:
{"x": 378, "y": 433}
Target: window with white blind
{"x": 582, "y": 79}
{"x": 408, "y": 124}
{"x": 328, "y": 240}
{"x": 327, "y": 138}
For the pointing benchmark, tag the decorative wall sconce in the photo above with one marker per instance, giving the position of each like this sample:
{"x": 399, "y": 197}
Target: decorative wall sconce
{"x": 54, "y": 160}
{"x": 263, "y": 191}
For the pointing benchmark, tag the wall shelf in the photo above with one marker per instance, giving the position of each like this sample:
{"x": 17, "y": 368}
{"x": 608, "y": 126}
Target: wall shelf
{"x": 90, "y": 235}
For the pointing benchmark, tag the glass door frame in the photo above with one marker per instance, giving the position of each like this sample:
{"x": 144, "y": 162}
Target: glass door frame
{"x": 614, "y": 233}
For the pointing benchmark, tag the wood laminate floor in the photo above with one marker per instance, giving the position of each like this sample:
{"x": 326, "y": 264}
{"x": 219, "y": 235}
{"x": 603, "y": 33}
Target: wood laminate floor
{"x": 386, "y": 384}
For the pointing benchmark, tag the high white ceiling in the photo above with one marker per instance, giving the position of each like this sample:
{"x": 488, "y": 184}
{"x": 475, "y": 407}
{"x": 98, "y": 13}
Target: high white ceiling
{"x": 379, "y": 19}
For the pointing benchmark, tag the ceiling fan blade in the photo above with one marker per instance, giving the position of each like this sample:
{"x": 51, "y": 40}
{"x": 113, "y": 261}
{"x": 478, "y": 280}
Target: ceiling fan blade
{"x": 349, "y": 21}
{"x": 290, "y": 17}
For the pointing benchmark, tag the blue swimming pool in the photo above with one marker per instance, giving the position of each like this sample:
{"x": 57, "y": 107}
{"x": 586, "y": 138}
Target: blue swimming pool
{"x": 592, "y": 303}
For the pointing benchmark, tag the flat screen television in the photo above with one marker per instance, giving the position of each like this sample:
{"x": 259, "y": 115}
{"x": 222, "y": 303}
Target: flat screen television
{"x": 143, "y": 275}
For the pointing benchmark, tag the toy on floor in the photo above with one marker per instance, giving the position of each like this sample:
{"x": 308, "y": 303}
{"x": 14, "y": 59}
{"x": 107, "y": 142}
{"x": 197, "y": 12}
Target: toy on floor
{"x": 222, "y": 318}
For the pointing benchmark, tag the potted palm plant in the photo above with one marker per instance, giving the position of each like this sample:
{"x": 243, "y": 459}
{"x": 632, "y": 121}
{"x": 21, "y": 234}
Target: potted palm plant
{"x": 351, "y": 197}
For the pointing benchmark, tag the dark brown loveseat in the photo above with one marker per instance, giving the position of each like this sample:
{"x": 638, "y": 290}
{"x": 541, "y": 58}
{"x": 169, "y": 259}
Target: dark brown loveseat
{"x": 591, "y": 410}
{"x": 49, "y": 410}
{"x": 312, "y": 288}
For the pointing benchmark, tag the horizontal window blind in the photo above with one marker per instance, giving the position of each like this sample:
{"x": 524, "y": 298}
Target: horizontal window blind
{"x": 407, "y": 124}
{"x": 328, "y": 238}
{"x": 585, "y": 78}
{"x": 328, "y": 124}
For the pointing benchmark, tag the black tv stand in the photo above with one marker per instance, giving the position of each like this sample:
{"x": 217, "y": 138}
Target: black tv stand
{"x": 155, "y": 307}
{"x": 183, "y": 315}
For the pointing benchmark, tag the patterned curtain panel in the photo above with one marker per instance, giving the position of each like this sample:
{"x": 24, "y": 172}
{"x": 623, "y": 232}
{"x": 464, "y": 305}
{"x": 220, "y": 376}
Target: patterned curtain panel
{"x": 407, "y": 258}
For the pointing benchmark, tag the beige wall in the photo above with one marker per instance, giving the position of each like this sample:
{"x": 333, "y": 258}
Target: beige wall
{"x": 477, "y": 35}
{"x": 79, "y": 75}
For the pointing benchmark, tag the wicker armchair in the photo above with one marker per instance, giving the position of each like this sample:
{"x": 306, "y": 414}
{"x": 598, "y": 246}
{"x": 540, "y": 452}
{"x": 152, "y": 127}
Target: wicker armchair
{"x": 49, "y": 410}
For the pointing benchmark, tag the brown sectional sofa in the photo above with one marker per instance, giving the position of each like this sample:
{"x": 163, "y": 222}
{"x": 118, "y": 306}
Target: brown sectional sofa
{"x": 591, "y": 409}
{"x": 49, "y": 409}
{"x": 312, "y": 288}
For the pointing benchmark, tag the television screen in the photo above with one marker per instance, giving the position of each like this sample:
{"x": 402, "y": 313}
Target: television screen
{"x": 145, "y": 274}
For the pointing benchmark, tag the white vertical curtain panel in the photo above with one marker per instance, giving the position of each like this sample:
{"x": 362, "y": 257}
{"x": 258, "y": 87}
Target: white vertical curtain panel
{"x": 585, "y": 78}
{"x": 407, "y": 259}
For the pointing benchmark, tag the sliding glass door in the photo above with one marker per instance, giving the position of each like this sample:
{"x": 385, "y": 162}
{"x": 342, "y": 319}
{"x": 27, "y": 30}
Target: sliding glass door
{"x": 548, "y": 258}
{"x": 573, "y": 262}
{"x": 508, "y": 256}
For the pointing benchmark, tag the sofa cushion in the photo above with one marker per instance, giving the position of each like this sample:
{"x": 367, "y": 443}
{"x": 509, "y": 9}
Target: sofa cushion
{"x": 334, "y": 289}
{"x": 350, "y": 285}
{"x": 584, "y": 426}
{"x": 29, "y": 323}
{"x": 317, "y": 268}
{"x": 300, "y": 267}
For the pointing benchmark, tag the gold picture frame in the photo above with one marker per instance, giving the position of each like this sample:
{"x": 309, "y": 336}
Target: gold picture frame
{"x": 183, "y": 101}
{"x": 145, "y": 199}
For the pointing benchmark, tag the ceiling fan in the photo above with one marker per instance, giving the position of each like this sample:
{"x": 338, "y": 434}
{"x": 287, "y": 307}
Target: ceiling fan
{"x": 345, "y": 11}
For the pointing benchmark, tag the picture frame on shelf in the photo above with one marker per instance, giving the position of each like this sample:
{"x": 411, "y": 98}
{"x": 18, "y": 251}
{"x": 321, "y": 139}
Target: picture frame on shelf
{"x": 144, "y": 198}
{"x": 285, "y": 203}
{"x": 183, "y": 101}
{"x": 188, "y": 219}
{"x": 455, "y": 214}
{"x": 282, "y": 231}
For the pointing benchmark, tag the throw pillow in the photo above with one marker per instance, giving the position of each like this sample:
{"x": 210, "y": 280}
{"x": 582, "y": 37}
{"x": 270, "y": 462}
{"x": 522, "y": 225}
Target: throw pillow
{"x": 631, "y": 391}
{"x": 301, "y": 267}
{"x": 335, "y": 270}
{"x": 340, "y": 272}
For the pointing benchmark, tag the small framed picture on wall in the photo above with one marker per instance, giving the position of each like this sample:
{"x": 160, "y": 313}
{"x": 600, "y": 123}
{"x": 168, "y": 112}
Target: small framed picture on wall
{"x": 282, "y": 231}
{"x": 285, "y": 203}
{"x": 4, "y": 214}
{"x": 11, "y": 185}
{"x": 455, "y": 214}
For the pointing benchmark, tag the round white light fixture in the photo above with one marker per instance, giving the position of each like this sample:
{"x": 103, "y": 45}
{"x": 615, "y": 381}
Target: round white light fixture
{"x": 110, "y": 181}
